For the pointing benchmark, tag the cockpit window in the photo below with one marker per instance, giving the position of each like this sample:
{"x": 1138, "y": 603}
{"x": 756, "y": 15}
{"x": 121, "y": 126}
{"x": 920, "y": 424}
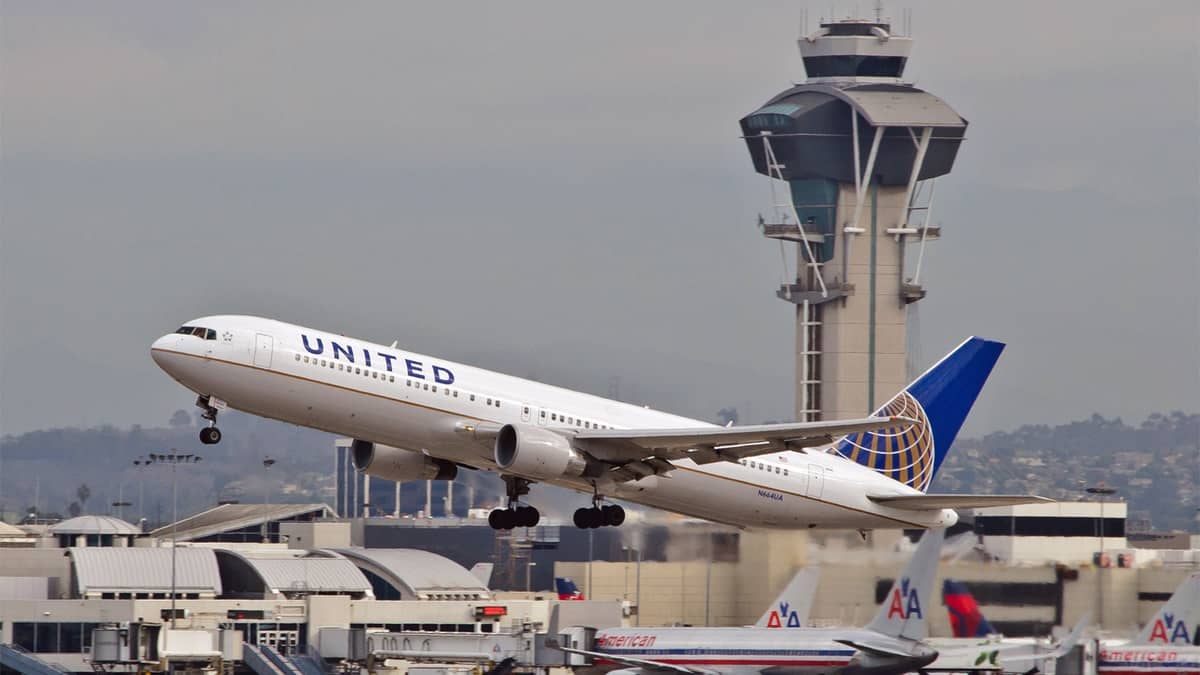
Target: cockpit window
{"x": 202, "y": 333}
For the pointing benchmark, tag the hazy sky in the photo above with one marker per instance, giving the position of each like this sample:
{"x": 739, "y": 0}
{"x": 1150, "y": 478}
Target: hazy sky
{"x": 558, "y": 190}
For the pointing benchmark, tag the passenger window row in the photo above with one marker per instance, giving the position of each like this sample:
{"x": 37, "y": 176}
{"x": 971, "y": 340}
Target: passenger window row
{"x": 763, "y": 467}
{"x": 389, "y": 377}
{"x": 570, "y": 420}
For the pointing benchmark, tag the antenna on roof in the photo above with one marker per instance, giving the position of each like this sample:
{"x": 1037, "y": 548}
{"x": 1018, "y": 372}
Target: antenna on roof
{"x": 878, "y": 11}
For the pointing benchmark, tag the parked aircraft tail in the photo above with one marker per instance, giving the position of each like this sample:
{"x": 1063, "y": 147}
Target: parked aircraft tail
{"x": 965, "y": 618}
{"x": 1176, "y": 623}
{"x": 566, "y": 589}
{"x": 904, "y": 612}
{"x": 938, "y": 401}
{"x": 791, "y": 608}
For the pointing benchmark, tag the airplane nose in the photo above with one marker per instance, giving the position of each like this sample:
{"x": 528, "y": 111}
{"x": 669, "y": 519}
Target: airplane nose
{"x": 159, "y": 349}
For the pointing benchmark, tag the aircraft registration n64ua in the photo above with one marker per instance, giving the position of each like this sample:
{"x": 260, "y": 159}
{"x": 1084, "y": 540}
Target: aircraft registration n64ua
{"x": 417, "y": 417}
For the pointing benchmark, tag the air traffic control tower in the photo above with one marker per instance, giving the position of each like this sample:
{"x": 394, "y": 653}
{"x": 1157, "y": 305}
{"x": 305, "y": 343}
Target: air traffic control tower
{"x": 851, "y": 155}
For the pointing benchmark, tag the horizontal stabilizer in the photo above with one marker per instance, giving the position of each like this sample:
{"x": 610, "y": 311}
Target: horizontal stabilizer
{"x": 930, "y": 502}
{"x": 876, "y": 649}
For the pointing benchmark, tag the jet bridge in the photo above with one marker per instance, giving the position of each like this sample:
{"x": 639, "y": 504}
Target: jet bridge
{"x": 525, "y": 645}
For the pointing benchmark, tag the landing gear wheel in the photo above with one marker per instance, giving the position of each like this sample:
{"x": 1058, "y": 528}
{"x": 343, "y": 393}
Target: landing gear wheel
{"x": 527, "y": 516}
{"x": 501, "y": 519}
{"x": 614, "y": 515}
{"x": 583, "y": 519}
{"x": 589, "y": 518}
{"x": 210, "y": 435}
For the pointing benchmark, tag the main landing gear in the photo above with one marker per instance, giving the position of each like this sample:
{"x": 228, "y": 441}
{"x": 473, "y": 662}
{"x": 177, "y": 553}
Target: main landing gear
{"x": 599, "y": 515}
{"x": 516, "y": 515}
{"x": 210, "y": 434}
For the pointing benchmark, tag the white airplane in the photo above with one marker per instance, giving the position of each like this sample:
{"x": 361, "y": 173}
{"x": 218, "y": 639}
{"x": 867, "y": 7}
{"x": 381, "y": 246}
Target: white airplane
{"x": 420, "y": 417}
{"x": 977, "y": 646}
{"x": 1169, "y": 644}
{"x": 892, "y": 643}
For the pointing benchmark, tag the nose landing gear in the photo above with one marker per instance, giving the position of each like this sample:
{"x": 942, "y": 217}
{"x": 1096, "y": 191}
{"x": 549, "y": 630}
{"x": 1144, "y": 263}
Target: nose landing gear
{"x": 210, "y": 434}
{"x": 516, "y": 515}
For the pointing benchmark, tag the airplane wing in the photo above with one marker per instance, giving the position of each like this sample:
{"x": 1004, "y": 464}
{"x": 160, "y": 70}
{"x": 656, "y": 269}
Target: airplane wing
{"x": 652, "y": 450}
{"x": 927, "y": 501}
{"x": 628, "y": 660}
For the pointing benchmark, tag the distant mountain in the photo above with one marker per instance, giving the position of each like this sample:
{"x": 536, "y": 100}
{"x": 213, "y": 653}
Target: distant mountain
{"x": 1155, "y": 466}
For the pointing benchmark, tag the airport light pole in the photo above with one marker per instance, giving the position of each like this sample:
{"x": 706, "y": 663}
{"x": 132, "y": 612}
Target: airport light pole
{"x": 267, "y": 464}
{"x": 1100, "y": 491}
{"x": 141, "y": 463}
{"x": 174, "y": 458}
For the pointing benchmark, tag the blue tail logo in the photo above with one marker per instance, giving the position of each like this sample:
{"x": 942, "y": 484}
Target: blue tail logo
{"x": 938, "y": 402}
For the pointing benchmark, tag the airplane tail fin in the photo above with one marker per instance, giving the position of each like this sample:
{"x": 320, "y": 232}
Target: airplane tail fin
{"x": 483, "y": 572}
{"x": 903, "y": 612}
{"x": 938, "y": 401}
{"x": 965, "y": 618}
{"x": 792, "y": 607}
{"x": 1176, "y": 623}
{"x": 566, "y": 589}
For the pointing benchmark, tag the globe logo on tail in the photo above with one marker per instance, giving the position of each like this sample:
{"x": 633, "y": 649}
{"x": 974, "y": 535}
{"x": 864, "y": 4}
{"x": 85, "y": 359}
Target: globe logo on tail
{"x": 904, "y": 452}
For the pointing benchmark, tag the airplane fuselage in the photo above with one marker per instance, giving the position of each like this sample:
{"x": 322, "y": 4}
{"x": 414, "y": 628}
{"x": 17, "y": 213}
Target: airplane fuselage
{"x": 802, "y": 651}
{"x": 398, "y": 398}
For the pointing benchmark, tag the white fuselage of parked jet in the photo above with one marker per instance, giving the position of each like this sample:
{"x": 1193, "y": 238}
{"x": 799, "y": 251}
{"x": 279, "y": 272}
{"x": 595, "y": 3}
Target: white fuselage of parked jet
{"x": 398, "y": 398}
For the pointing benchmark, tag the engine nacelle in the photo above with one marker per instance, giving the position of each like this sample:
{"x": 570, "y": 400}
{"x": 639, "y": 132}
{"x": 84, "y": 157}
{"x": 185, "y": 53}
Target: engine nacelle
{"x": 533, "y": 452}
{"x": 399, "y": 464}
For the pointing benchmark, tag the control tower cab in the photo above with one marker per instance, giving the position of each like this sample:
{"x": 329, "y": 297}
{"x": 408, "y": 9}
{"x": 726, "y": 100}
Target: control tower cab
{"x": 858, "y": 149}
{"x": 852, "y": 50}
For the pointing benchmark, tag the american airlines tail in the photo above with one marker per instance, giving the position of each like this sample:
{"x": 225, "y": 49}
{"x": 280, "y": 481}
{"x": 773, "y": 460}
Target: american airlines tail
{"x": 939, "y": 401}
{"x": 904, "y": 611}
{"x": 1178, "y": 621}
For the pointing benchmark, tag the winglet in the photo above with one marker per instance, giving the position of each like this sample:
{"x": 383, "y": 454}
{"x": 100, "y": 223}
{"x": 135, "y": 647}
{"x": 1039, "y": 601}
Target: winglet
{"x": 1178, "y": 621}
{"x": 904, "y": 610}
{"x": 791, "y": 608}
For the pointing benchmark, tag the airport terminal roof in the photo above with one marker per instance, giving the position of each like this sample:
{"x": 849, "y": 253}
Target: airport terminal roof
{"x": 95, "y": 525}
{"x": 229, "y": 517}
{"x": 7, "y": 531}
{"x": 417, "y": 574}
{"x": 145, "y": 570}
{"x": 292, "y": 571}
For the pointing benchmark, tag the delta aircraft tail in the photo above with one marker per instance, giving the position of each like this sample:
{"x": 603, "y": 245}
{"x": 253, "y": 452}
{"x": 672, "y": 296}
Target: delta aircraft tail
{"x": 904, "y": 612}
{"x": 965, "y": 618}
{"x": 1178, "y": 621}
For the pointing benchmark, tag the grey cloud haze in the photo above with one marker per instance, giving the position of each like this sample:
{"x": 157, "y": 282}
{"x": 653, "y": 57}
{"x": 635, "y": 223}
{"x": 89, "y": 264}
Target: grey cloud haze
{"x": 558, "y": 190}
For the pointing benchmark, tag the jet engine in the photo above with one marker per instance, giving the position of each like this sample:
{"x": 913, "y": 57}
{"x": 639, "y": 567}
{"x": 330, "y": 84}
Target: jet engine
{"x": 399, "y": 464}
{"x": 532, "y": 452}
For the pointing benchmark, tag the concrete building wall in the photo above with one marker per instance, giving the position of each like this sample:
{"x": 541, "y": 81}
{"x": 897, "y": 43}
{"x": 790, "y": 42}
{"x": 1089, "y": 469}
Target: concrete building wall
{"x": 847, "y": 366}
